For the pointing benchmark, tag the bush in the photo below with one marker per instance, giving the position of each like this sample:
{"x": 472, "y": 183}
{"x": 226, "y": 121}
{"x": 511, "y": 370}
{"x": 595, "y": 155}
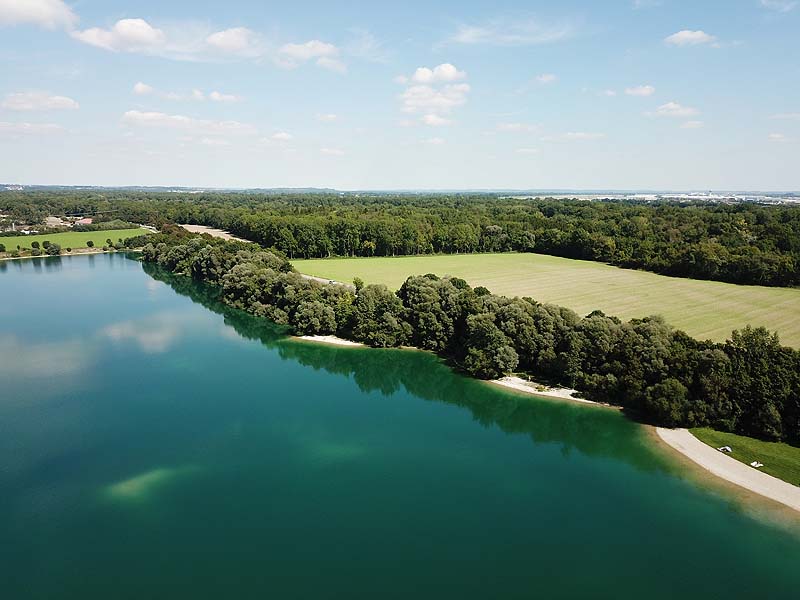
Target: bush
{"x": 53, "y": 249}
{"x": 69, "y": 249}
{"x": 35, "y": 245}
{"x": 15, "y": 254}
{"x": 2, "y": 247}
{"x": 45, "y": 244}
{"x": 90, "y": 244}
{"x": 105, "y": 248}
{"x": 36, "y": 252}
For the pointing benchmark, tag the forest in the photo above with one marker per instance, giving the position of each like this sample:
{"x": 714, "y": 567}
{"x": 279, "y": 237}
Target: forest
{"x": 748, "y": 385}
{"x": 742, "y": 243}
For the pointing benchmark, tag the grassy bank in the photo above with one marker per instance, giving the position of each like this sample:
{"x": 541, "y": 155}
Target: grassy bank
{"x": 71, "y": 239}
{"x": 780, "y": 460}
{"x": 704, "y": 309}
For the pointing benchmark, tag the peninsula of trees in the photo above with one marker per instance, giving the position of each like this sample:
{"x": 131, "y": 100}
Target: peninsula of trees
{"x": 738, "y": 243}
{"x": 748, "y": 385}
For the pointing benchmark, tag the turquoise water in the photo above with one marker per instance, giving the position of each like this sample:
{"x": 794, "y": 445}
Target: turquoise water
{"x": 154, "y": 444}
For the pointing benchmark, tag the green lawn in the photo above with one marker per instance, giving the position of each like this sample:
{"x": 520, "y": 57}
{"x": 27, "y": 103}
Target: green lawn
{"x": 71, "y": 239}
{"x": 704, "y": 309}
{"x": 780, "y": 460}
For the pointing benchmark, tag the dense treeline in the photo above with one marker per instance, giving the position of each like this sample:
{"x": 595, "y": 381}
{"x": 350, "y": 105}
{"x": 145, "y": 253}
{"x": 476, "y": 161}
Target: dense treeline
{"x": 748, "y": 385}
{"x": 739, "y": 243}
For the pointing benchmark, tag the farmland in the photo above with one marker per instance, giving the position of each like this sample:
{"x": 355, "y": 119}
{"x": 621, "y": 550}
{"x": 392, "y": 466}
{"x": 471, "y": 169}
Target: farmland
{"x": 704, "y": 309}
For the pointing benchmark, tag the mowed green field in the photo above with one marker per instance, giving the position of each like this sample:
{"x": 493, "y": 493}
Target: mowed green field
{"x": 71, "y": 239}
{"x": 704, "y": 309}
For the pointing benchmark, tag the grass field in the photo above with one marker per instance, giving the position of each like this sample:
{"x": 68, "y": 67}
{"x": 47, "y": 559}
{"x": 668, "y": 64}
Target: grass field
{"x": 704, "y": 309}
{"x": 780, "y": 460}
{"x": 71, "y": 239}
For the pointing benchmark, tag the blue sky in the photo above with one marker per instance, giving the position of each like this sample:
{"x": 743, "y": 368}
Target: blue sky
{"x": 617, "y": 94}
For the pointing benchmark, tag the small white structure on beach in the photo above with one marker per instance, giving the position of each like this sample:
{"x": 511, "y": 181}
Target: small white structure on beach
{"x": 756, "y": 464}
{"x": 725, "y": 449}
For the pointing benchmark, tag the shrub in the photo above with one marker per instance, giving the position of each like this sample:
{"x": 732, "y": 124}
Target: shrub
{"x": 36, "y": 245}
{"x": 53, "y": 249}
{"x": 36, "y": 252}
{"x": 90, "y": 244}
{"x": 69, "y": 249}
{"x": 2, "y": 247}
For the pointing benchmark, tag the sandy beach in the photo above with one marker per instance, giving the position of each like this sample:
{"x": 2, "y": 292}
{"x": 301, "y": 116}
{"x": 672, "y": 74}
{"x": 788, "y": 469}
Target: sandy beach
{"x": 329, "y": 339}
{"x": 537, "y": 389}
{"x": 730, "y": 469}
{"x": 219, "y": 233}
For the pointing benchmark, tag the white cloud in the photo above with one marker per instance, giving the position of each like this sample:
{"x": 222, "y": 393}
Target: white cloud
{"x": 239, "y": 41}
{"x": 142, "y": 89}
{"x": 779, "y": 5}
{"x": 608, "y": 93}
{"x": 281, "y": 136}
{"x": 527, "y": 151}
{"x": 688, "y": 37}
{"x": 50, "y": 14}
{"x": 161, "y": 120}
{"x": 332, "y": 151}
{"x": 777, "y": 137}
{"x": 29, "y": 128}
{"x": 220, "y": 97}
{"x": 787, "y": 116}
{"x": 324, "y": 54}
{"x": 38, "y": 101}
{"x": 185, "y": 41}
{"x": 425, "y": 98}
{"x": 512, "y": 32}
{"x": 435, "y": 120}
{"x": 443, "y": 73}
{"x": 640, "y": 90}
{"x": 198, "y": 95}
{"x": 327, "y": 117}
{"x": 434, "y": 141}
{"x": 692, "y": 125}
{"x": 546, "y": 78}
{"x": 673, "y": 109}
{"x": 127, "y": 35}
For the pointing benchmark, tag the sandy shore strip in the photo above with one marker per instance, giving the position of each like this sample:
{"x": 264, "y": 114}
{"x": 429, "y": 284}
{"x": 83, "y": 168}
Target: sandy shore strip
{"x": 330, "y": 339}
{"x": 731, "y": 469}
{"x": 538, "y": 389}
{"x": 218, "y": 233}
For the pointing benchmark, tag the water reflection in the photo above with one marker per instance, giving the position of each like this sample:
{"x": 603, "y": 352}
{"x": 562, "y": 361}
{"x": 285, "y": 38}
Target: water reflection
{"x": 589, "y": 430}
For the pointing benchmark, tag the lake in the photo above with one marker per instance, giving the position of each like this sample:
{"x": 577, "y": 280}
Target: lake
{"x": 157, "y": 444}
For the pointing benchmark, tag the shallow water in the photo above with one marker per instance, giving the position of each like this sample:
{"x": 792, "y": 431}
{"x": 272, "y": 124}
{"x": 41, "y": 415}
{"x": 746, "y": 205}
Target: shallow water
{"x": 155, "y": 444}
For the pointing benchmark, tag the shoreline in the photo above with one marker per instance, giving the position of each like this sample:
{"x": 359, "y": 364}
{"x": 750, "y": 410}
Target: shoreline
{"x": 729, "y": 469}
{"x": 726, "y": 470}
{"x": 532, "y": 387}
